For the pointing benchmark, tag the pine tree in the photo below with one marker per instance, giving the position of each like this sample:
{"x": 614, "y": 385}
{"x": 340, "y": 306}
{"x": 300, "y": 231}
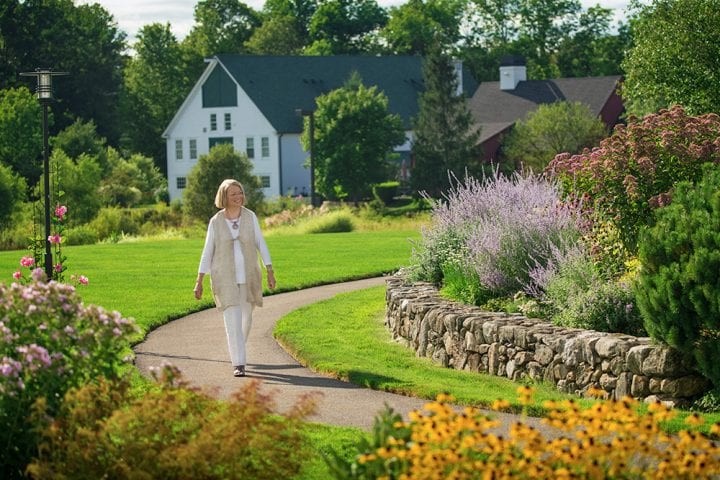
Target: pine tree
{"x": 446, "y": 140}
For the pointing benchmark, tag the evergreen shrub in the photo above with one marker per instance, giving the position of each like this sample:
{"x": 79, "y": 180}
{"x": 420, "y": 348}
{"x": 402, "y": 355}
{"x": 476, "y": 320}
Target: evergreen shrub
{"x": 678, "y": 290}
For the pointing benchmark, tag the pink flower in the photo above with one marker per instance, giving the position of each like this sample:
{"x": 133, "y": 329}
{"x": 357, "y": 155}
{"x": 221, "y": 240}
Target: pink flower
{"x": 55, "y": 239}
{"x": 17, "y": 275}
{"x": 27, "y": 261}
{"x": 60, "y": 211}
{"x": 58, "y": 267}
{"x": 83, "y": 280}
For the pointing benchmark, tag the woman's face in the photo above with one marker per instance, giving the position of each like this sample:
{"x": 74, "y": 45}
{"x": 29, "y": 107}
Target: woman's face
{"x": 235, "y": 196}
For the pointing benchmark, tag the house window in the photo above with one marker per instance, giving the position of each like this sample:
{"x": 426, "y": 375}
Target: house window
{"x": 213, "y": 121}
{"x": 250, "y": 147}
{"x": 193, "y": 149}
{"x": 178, "y": 150}
{"x": 180, "y": 182}
{"x": 265, "y": 181}
{"x": 265, "y": 147}
{"x": 228, "y": 123}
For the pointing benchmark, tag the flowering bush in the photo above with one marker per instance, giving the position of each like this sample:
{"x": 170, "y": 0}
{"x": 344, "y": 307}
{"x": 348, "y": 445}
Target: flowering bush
{"x": 634, "y": 170}
{"x": 49, "y": 342}
{"x": 496, "y": 229}
{"x": 608, "y": 440}
{"x": 172, "y": 432}
{"x": 34, "y": 263}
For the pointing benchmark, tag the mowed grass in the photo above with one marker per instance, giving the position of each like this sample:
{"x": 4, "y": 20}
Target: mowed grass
{"x": 152, "y": 280}
{"x": 346, "y": 337}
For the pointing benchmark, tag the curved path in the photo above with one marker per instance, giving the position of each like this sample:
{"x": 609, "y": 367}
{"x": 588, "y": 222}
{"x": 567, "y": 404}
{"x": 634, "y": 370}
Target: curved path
{"x": 197, "y": 345}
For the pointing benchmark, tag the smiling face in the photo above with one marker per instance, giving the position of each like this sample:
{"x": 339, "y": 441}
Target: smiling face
{"x": 235, "y": 196}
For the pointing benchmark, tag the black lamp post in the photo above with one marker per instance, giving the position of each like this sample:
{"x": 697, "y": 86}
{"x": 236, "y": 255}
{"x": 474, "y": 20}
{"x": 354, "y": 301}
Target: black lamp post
{"x": 311, "y": 115}
{"x": 45, "y": 96}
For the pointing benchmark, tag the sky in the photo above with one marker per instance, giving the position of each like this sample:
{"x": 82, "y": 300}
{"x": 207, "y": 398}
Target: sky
{"x": 131, "y": 15}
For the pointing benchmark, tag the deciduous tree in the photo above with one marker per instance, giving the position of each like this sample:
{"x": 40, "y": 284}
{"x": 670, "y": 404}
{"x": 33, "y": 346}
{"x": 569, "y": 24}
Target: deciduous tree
{"x": 675, "y": 58}
{"x": 83, "y": 40}
{"x": 20, "y": 133}
{"x": 354, "y": 136}
{"x": 343, "y": 26}
{"x": 561, "y": 127}
{"x": 205, "y": 177}
{"x": 156, "y": 82}
{"x": 414, "y": 26}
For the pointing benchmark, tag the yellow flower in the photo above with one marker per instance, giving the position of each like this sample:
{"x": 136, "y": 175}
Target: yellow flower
{"x": 694, "y": 420}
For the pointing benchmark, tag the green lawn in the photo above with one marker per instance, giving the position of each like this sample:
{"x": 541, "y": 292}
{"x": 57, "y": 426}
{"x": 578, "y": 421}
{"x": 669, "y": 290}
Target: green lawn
{"x": 152, "y": 280}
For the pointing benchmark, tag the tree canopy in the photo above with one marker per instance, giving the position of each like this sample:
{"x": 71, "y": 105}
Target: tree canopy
{"x": 205, "y": 177}
{"x": 560, "y": 127}
{"x": 675, "y": 58}
{"x": 445, "y": 142}
{"x": 354, "y": 136}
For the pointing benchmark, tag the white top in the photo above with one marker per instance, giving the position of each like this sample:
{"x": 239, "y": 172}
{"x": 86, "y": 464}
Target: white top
{"x": 209, "y": 249}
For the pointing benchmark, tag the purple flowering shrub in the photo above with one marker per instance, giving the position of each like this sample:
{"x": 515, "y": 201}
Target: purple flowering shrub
{"x": 635, "y": 170}
{"x": 496, "y": 229}
{"x": 49, "y": 342}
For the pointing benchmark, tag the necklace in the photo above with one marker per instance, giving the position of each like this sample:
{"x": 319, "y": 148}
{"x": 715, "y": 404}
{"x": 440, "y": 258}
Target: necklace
{"x": 234, "y": 222}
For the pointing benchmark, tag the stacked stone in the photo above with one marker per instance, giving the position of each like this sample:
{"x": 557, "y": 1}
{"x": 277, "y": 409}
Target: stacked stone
{"x": 513, "y": 346}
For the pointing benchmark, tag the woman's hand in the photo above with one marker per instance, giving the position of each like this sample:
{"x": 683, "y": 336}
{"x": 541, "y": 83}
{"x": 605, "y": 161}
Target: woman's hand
{"x": 271, "y": 279}
{"x": 198, "y": 290}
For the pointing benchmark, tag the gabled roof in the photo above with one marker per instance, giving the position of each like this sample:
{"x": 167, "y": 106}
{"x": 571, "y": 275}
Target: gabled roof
{"x": 280, "y": 84}
{"x": 496, "y": 110}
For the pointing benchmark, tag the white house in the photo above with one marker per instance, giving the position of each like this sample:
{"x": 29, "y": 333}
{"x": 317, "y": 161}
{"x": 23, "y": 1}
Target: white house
{"x": 252, "y": 101}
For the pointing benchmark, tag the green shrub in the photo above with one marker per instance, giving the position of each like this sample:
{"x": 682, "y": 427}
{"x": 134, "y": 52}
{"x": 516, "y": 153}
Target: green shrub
{"x": 579, "y": 296}
{"x": 50, "y": 342}
{"x": 172, "y": 432}
{"x": 386, "y": 191}
{"x": 112, "y": 222}
{"x": 333, "y": 222}
{"x": 460, "y": 282}
{"x": 678, "y": 288}
{"x": 81, "y": 235}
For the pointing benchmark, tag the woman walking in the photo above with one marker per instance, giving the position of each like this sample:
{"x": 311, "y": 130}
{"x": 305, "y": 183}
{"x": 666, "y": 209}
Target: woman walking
{"x": 230, "y": 256}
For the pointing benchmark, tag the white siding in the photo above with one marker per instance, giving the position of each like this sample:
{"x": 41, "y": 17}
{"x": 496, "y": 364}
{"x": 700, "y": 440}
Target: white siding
{"x": 247, "y": 121}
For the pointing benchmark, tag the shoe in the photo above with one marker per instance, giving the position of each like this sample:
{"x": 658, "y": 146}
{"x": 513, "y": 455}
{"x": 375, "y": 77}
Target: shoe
{"x": 239, "y": 371}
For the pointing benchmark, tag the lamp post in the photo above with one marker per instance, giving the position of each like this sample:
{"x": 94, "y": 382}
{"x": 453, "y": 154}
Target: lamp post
{"x": 45, "y": 96}
{"x": 311, "y": 115}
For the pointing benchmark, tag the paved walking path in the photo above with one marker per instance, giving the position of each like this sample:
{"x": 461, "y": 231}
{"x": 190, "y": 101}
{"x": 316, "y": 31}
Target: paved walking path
{"x": 197, "y": 345}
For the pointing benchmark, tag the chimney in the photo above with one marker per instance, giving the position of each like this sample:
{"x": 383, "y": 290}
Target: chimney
{"x": 512, "y": 71}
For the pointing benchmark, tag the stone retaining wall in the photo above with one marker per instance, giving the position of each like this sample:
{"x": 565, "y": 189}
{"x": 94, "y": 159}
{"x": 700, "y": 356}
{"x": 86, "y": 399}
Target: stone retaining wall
{"x": 513, "y": 346}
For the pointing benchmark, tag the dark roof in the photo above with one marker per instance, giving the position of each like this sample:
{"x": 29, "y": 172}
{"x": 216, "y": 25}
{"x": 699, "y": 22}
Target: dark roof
{"x": 278, "y": 85}
{"x": 495, "y": 110}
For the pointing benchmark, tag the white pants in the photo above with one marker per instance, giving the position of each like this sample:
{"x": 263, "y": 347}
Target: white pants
{"x": 238, "y": 320}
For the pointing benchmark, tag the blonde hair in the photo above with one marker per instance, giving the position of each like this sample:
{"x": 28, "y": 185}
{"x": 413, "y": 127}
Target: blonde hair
{"x": 221, "y": 195}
